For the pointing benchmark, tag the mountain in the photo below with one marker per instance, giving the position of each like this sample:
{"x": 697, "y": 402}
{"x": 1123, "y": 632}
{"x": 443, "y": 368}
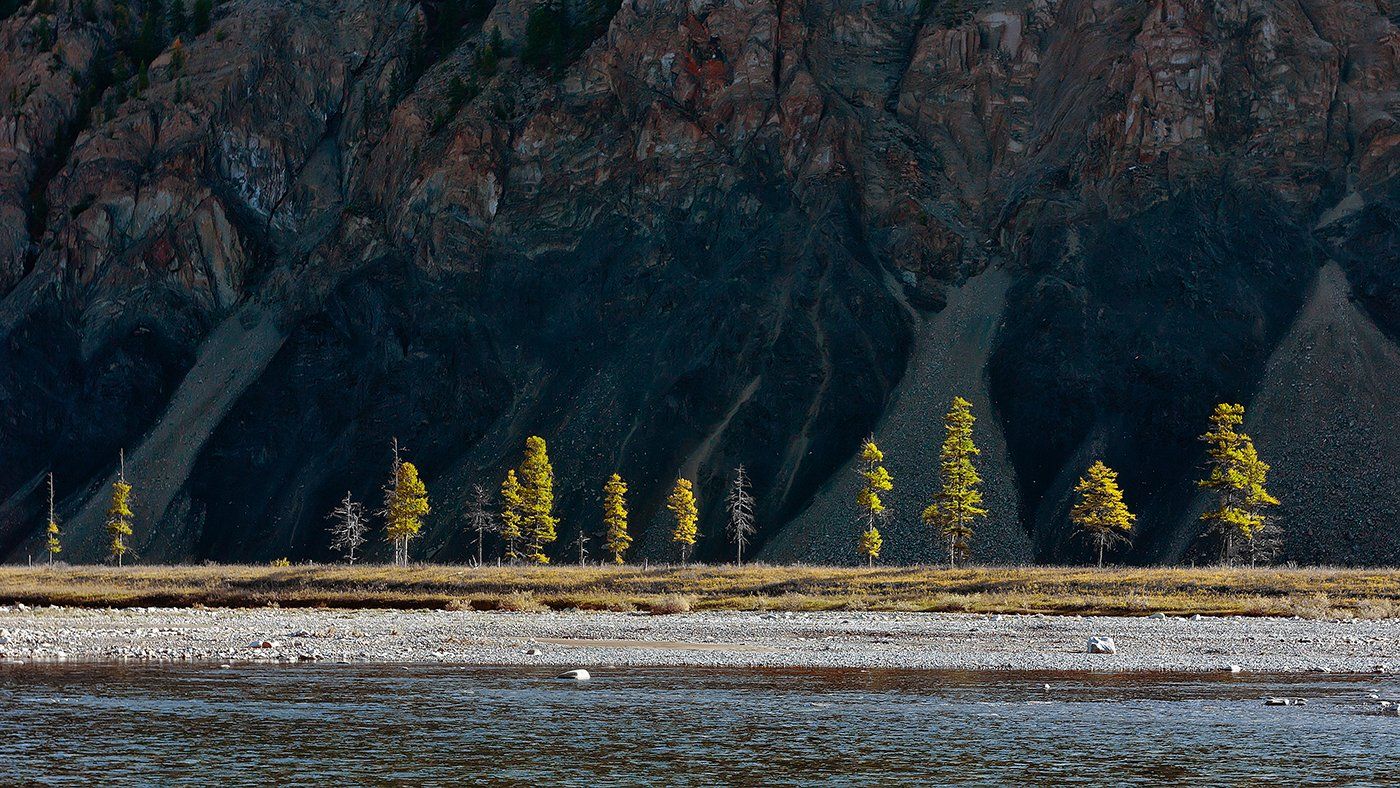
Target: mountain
{"x": 675, "y": 237}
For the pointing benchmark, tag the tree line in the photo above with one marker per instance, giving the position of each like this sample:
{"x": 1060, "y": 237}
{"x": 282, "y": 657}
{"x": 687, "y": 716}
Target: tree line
{"x": 522, "y": 517}
{"x": 1235, "y": 480}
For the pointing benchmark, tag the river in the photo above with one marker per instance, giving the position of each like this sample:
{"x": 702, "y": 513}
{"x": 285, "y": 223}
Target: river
{"x": 72, "y": 723}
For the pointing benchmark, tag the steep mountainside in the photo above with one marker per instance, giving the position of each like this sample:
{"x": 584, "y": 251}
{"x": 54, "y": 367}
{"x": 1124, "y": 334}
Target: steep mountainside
{"x": 675, "y": 237}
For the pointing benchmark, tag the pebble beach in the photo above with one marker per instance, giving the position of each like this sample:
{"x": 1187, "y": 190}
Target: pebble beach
{"x": 700, "y": 639}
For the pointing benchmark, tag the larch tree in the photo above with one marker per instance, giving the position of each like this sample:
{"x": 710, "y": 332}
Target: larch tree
{"x": 512, "y": 516}
{"x": 405, "y": 506}
{"x": 52, "y": 545}
{"x": 875, "y": 480}
{"x": 1236, "y": 478}
{"x": 1099, "y": 512}
{"x": 741, "y": 518}
{"x": 870, "y": 544}
{"x": 581, "y": 541}
{"x": 958, "y": 502}
{"x": 537, "y": 500}
{"x": 119, "y": 513}
{"x": 681, "y": 502}
{"x": 481, "y": 517}
{"x": 349, "y": 524}
{"x": 617, "y": 539}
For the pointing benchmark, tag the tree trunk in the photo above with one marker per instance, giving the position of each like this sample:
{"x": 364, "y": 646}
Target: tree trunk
{"x": 1101, "y": 541}
{"x": 952, "y": 562}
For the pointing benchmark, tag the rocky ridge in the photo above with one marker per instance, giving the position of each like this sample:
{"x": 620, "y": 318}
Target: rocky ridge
{"x": 721, "y": 233}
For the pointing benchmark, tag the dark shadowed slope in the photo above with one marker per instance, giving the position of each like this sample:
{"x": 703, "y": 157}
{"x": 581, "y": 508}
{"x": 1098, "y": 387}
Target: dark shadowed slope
{"x": 699, "y": 235}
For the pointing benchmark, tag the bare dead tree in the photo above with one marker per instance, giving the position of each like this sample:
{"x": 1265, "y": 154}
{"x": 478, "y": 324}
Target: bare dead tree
{"x": 481, "y": 517}
{"x": 349, "y": 522}
{"x": 741, "y": 519}
{"x": 582, "y": 542}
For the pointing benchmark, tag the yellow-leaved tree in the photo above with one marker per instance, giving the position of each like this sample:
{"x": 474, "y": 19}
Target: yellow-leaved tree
{"x": 1236, "y": 478}
{"x": 874, "y": 480}
{"x": 405, "y": 506}
{"x": 52, "y": 545}
{"x": 615, "y": 518}
{"x": 511, "y": 516}
{"x": 681, "y": 502}
{"x": 870, "y": 544}
{"x": 537, "y": 500}
{"x": 1099, "y": 513}
{"x": 119, "y": 513}
{"x": 958, "y": 501}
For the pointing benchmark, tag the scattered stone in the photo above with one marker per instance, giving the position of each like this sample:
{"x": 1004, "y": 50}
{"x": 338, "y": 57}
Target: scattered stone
{"x": 1236, "y": 668}
{"x": 1102, "y": 645}
{"x": 533, "y": 652}
{"x": 1286, "y": 702}
{"x": 578, "y": 674}
{"x": 1197, "y": 617}
{"x": 1158, "y": 616}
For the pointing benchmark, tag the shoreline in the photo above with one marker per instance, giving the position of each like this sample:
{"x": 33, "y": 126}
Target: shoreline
{"x": 1313, "y": 593}
{"x": 708, "y": 639}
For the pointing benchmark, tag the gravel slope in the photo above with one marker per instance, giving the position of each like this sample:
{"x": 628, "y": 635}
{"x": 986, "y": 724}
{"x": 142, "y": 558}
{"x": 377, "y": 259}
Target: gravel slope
{"x": 594, "y": 640}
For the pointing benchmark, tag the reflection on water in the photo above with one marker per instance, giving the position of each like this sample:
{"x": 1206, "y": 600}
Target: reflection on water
{"x": 298, "y": 725}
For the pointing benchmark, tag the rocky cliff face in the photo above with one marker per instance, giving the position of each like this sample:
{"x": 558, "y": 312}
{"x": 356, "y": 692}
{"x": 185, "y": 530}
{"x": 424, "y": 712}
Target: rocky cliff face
{"x": 711, "y": 233}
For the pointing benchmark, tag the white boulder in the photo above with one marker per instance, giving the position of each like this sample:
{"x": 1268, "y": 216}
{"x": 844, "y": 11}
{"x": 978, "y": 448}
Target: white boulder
{"x": 1102, "y": 645}
{"x": 578, "y": 674}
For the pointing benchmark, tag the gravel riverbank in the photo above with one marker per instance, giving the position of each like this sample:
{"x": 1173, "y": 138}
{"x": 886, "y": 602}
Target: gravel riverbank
{"x": 709, "y": 639}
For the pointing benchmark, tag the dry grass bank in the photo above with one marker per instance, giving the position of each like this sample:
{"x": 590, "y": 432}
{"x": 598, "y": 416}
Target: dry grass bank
{"x": 1311, "y": 593}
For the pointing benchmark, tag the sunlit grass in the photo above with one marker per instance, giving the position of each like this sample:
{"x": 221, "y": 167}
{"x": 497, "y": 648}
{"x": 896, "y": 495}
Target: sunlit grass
{"x": 1312, "y": 592}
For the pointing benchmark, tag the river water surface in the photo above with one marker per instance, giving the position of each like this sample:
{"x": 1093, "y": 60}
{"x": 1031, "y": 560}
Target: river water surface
{"x": 343, "y": 724}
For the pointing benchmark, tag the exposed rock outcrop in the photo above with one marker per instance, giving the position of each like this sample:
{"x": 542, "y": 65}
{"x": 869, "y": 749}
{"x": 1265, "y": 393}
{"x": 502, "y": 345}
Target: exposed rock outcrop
{"x": 724, "y": 233}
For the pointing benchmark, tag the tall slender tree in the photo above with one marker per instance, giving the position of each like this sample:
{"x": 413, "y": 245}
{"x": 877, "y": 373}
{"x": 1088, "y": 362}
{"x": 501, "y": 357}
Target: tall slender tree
{"x": 481, "y": 517}
{"x": 581, "y": 542}
{"x": 119, "y": 513}
{"x": 349, "y": 523}
{"x": 617, "y": 539}
{"x": 537, "y": 500}
{"x": 1236, "y": 478}
{"x": 681, "y": 502}
{"x": 1099, "y": 513}
{"x": 405, "y": 506}
{"x": 741, "y": 518}
{"x": 52, "y": 545}
{"x": 875, "y": 480}
{"x": 512, "y": 516}
{"x": 958, "y": 501}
